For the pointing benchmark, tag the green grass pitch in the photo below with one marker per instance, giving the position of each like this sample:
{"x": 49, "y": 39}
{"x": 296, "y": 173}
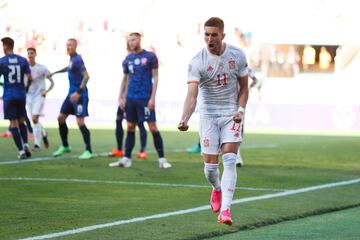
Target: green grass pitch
{"x": 55, "y": 195}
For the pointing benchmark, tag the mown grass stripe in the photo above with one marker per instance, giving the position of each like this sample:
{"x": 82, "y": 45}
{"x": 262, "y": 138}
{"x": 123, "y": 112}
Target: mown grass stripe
{"x": 49, "y": 158}
{"x": 72, "y": 180}
{"x": 192, "y": 210}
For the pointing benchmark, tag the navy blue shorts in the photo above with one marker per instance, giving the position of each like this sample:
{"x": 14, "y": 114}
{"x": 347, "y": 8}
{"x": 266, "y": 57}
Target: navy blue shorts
{"x": 137, "y": 111}
{"x": 14, "y": 109}
{"x": 79, "y": 109}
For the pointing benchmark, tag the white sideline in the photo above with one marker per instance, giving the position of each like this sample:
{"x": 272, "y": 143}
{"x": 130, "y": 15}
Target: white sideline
{"x": 69, "y": 180}
{"x": 191, "y": 210}
{"x": 39, "y": 159}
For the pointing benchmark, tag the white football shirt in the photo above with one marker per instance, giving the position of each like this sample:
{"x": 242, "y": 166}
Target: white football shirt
{"x": 218, "y": 80}
{"x": 38, "y": 73}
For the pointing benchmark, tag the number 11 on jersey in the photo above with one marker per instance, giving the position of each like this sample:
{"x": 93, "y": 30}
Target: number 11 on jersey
{"x": 222, "y": 79}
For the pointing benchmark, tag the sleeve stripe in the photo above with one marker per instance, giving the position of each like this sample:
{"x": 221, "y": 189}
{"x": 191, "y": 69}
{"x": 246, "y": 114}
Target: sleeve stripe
{"x": 193, "y": 81}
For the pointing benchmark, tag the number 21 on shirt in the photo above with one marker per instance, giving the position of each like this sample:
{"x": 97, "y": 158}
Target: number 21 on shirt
{"x": 14, "y": 74}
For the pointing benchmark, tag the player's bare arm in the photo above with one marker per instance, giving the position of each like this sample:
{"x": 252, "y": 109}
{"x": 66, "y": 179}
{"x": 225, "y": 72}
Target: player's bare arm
{"x": 76, "y": 95}
{"x": 123, "y": 91}
{"x": 189, "y": 105}
{"x": 50, "y": 87}
{"x": 254, "y": 81}
{"x": 59, "y": 71}
{"x": 151, "y": 103}
{"x": 85, "y": 79}
{"x": 243, "y": 98}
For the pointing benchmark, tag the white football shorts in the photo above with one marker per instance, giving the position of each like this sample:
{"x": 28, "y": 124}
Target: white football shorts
{"x": 35, "y": 104}
{"x": 214, "y": 131}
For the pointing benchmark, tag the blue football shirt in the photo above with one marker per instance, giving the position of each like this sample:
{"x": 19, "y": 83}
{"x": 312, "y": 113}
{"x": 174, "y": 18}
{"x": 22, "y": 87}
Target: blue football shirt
{"x": 75, "y": 68}
{"x": 139, "y": 67}
{"x": 13, "y": 68}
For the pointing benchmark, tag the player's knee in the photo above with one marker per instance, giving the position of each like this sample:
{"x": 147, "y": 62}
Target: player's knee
{"x": 14, "y": 124}
{"x": 210, "y": 158}
{"x": 61, "y": 119}
{"x": 152, "y": 127}
{"x": 230, "y": 147}
{"x": 80, "y": 121}
{"x": 131, "y": 126}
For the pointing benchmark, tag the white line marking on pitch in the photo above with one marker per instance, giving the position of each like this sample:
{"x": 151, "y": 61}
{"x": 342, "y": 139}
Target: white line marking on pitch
{"x": 67, "y": 180}
{"x": 191, "y": 210}
{"x": 39, "y": 159}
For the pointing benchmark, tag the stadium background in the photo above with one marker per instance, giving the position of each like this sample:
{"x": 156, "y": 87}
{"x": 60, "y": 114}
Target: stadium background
{"x": 291, "y": 187}
{"x": 292, "y": 99}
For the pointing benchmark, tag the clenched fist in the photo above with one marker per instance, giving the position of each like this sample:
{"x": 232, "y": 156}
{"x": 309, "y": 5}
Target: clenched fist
{"x": 183, "y": 126}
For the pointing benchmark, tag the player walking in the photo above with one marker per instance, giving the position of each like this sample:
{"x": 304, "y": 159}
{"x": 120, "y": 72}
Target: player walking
{"x": 14, "y": 68}
{"x": 35, "y": 98}
{"x": 215, "y": 73}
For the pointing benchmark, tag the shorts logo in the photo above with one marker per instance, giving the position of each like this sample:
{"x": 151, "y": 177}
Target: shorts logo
{"x": 146, "y": 113}
{"x": 206, "y": 142}
{"x": 79, "y": 109}
{"x": 236, "y": 134}
{"x": 232, "y": 64}
{"x": 210, "y": 68}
